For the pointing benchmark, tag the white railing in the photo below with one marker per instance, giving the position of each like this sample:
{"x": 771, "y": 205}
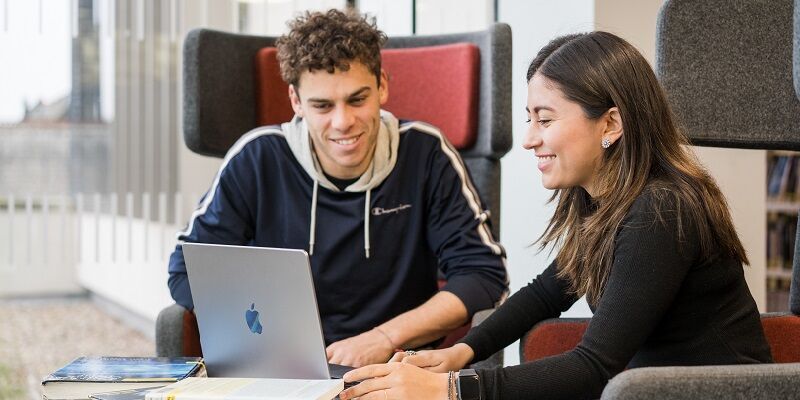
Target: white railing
{"x": 37, "y": 246}
{"x": 52, "y": 245}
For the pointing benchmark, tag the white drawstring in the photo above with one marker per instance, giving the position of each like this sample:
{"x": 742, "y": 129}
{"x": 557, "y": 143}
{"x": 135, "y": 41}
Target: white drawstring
{"x": 313, "y": 228}
{"x": 366, "y": 223}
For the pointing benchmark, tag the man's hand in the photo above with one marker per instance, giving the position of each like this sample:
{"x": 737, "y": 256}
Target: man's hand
{"x": 370, "y": 347}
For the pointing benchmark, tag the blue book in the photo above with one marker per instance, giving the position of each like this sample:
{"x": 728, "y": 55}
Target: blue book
{"x": 774, "y": 184}
{"x": 87, "y": 375}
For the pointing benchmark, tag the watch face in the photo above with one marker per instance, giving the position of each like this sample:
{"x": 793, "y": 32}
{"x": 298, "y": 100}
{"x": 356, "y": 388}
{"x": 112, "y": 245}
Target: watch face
{"x": 469, "y": 385}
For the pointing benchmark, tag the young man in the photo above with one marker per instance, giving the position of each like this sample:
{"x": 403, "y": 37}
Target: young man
{"x": 380, "y": 205}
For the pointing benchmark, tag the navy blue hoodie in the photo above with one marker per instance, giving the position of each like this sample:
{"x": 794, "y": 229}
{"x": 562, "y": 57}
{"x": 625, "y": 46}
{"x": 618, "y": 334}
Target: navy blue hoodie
{"x": 377, "y": 245}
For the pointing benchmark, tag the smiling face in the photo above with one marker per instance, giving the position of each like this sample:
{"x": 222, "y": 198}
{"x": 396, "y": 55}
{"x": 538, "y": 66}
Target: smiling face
{"x": 566, "y": 142}
{"x": 342, "y": 111}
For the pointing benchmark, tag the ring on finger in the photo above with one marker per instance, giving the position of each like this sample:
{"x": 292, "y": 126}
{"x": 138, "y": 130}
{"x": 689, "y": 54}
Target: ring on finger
{"x": 410, "y": 352}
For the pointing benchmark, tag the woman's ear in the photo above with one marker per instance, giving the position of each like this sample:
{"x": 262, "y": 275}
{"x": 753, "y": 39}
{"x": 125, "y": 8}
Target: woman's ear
{"x": 614, "y": 130}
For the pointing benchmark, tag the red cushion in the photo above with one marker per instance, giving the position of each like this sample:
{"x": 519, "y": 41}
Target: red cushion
{"x": 191, "y": 336}
{"x": 272, "y": 93}
{"x": 437, "y": 84}
{"x": 552, "y": 337}
{"x": 783, "y": 336}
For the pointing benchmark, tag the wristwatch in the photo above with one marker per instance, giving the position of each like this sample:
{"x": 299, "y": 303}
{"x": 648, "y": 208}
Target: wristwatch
{"x": 469, "y": 385}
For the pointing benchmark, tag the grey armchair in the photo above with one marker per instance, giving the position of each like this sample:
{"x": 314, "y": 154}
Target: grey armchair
{"x": 220, "y": 65}
{"x": 768, "y": 382}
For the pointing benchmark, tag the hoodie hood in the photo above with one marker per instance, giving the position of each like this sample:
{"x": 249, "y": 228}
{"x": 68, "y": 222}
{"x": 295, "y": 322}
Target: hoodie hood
{"x": 383, "y": 159}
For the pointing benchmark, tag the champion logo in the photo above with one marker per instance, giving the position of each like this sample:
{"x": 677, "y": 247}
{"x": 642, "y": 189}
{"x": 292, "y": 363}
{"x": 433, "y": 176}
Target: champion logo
{"x": 381, "y": 211}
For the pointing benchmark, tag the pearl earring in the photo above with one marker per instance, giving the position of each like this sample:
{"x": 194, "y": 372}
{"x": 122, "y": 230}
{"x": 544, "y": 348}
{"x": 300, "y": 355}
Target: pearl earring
{"x": 605, "y": 143}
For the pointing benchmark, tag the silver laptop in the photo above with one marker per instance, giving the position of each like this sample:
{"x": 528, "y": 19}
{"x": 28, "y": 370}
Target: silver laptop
{"x": 257, "y": 312}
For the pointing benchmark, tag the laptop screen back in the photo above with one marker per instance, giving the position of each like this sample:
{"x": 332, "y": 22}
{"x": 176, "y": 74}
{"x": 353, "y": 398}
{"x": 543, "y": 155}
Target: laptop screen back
{"x": 257, "y": 312}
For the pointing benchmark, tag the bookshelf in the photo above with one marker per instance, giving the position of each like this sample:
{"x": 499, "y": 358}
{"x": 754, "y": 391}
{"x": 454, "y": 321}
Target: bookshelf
{"x": 783, "y": 204}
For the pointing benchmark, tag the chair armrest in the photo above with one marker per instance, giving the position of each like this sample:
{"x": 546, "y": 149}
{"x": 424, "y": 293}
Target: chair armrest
{"x": 752, "y": 381}
{"x": 169, "y": 331}
{"x": 481, "y": 316}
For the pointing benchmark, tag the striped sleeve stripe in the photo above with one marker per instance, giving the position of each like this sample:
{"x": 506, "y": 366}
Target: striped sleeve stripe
{"x": 232, "y": 152}
{"x": 467, "y": 188}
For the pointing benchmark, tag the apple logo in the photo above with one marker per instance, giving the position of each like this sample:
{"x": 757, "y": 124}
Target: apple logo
{"x": 251, "y": 316}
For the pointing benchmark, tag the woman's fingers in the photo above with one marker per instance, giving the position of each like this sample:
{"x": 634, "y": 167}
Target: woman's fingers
{"x": 384, "y": 394}
{"x": 423, "y": 359}
{"x": 367, "y": 387}
{"x": 398, "y": 356}
{"x": 370, "y": 371}
{"x": 404, "y": 382}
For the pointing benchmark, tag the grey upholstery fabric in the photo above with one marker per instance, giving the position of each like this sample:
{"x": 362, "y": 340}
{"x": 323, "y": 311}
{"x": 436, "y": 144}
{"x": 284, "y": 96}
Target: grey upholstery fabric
{"x": 485, "y": 174}
{"x": 794, "y": 292}
{"x": 169, "y": 332}
{"x": 726, "y": 66}
{"x": 774, "y": 381}
{"x": 219, "y": 103}
{"x": 796, "y": 52}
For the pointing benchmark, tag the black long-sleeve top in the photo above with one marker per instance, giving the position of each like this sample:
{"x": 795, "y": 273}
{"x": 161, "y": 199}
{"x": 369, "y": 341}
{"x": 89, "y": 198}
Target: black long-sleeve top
{"x": 662, "y": 305}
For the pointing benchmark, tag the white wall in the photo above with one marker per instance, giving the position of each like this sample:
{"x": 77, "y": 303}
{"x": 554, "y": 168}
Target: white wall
{"x": 448, "y": 16}
{"x": 742, "y": 177}
{"x": 392, "y": 17}
{"x": 124, "y": 260}
{"x": 38, "y": 250}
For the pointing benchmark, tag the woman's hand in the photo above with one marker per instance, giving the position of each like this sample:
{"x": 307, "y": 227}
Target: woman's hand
{"x": 449, "y": 359}
{"x": 395, "y": 381}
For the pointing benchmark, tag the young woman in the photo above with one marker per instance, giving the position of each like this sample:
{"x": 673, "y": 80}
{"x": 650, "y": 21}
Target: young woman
{"x": 640, "y": 228}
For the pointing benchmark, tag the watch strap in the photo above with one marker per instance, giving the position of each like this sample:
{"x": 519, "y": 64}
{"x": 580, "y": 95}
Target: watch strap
{"x": 469, "y": 385}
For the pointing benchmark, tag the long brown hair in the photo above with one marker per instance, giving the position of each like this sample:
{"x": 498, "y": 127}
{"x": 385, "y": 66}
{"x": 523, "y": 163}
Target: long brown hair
{"x": 599, "y": 70}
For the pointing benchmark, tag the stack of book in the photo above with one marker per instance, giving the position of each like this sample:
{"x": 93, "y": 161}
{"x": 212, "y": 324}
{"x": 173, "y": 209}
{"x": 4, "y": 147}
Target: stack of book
{"x": 182, "y": 378}
{"x": 781, "y": 233}
{"x": 783, "y": 180}
{"x": 86, "y": 376}
{"x": 783, "y": 204}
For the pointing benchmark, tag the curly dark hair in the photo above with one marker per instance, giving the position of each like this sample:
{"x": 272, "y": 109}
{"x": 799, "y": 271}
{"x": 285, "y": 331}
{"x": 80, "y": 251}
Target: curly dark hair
{"x": 329, "y": 41}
